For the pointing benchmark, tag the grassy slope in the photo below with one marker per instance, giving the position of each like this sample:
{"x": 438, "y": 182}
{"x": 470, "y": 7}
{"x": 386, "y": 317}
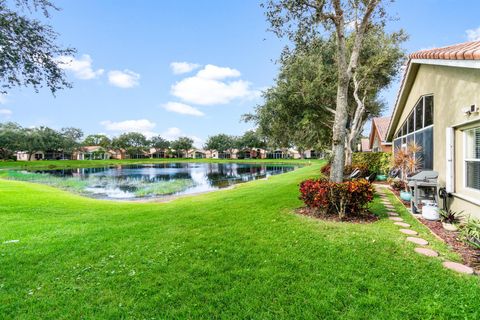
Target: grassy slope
{"x": 237, "y": 253}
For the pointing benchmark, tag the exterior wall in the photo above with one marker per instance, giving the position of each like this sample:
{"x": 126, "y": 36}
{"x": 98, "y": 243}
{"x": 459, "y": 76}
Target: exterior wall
{"x": 23, "y": 156}
{"x": 453, "y": 89}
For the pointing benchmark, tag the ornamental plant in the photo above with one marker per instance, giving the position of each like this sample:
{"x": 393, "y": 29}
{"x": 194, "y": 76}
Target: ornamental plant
{"x": 341, "y": 198}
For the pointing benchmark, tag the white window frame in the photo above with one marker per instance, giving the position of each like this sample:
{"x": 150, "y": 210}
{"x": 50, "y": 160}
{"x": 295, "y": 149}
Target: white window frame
{"x": 465, "y": 160}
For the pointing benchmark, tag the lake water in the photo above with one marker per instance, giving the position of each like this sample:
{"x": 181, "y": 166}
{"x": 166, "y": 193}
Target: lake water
{"x": 135, "y": 182}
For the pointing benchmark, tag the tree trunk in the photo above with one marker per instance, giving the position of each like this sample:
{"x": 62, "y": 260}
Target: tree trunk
{"x": 339, "y": 130}
{"x": 345, "y": 73}
{"x": 358, "y": 121}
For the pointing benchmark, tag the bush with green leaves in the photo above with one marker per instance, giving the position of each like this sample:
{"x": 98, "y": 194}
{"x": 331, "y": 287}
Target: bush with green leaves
{"x": 377, "y": 162}
{"x": 470, "y": 232}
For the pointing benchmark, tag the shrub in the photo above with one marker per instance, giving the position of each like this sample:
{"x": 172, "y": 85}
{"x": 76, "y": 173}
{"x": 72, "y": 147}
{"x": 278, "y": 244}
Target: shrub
{"x": 470, "y": 232}
{"x": 376, "y": 162}
{"x": 397, "y": 184}
{"x": 344, "y": 198}
{"x": 326, "y": 169}
{"x": 450, "y": 216}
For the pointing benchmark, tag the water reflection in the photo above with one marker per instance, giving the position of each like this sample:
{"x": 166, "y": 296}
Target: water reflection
{"x": 158, "y": 180}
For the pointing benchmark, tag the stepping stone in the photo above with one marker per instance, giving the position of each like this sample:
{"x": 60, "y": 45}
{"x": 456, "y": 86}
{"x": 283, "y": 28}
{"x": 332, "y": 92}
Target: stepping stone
{"x": 392, "y": 214}
{"x": 426, "y": 252}
{"x": 418, "y": 241}
{"x": 402, "y": 224}
{"x": 395, "y": 219}
{"x": 409, "y": 232}
{"x": 458, "y": 267}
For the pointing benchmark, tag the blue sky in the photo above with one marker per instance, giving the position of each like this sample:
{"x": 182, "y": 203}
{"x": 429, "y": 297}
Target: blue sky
{"x": 125, "y": 77}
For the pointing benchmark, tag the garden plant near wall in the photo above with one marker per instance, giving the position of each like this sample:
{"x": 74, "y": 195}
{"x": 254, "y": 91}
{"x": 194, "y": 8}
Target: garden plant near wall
{"x": 377, "y": 162}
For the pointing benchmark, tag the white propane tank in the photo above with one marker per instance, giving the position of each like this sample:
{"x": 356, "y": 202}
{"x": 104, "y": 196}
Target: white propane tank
{"x": 430, "y": 210}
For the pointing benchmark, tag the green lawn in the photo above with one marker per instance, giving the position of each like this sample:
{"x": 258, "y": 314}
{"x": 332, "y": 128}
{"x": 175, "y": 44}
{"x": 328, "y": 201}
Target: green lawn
{"x": 239, "y": 253}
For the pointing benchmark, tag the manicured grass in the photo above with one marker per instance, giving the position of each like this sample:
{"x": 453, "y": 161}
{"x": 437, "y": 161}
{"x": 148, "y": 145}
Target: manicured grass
{"x": 239, "y": 253}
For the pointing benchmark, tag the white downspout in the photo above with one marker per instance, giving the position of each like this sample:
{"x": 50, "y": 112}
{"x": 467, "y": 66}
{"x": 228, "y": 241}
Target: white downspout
{"x": 450, "y": 163}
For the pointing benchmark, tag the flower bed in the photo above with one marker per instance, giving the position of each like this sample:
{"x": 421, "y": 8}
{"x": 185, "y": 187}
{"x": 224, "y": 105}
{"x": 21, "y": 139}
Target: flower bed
{"x": 344, "y": 199}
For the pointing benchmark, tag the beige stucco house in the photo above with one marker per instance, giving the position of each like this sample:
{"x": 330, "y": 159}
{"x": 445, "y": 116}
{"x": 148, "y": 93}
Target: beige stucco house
{"x": 438, "y": 107}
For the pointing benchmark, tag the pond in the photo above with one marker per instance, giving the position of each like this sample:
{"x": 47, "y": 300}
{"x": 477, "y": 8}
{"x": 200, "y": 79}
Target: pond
{"x": 150, "y": 181}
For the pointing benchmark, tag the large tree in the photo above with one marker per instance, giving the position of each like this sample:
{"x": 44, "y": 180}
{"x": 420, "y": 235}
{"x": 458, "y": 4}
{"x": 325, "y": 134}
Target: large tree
{"x": 10, "y": 135}
{"x": 301, "y": 20}
{"x": 182, "y": 145}
{"x": 159, "y": 143}
{"x": 250, "y": 139}
{"x": 134, "y": 143}
{"x": 298, "y": 110}
{"x": 220, "y": 142}
{"x": 29, "y": 47}
{"x": 97, "y": 140}
{"x": 71, "y": 139}
{"x": 379, "y": 64}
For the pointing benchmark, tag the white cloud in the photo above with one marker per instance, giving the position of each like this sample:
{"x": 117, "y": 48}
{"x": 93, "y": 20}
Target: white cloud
{"x": 3, "y": 98}
{"x": 207, "y": 87}
{"x": 174, "y": 133}
{"x": 6, "y": 113}
{"x": 217, "y": 73}
{"x": 123, "y": 79}
{"x": 81, "y": 68}
{"x": 183, "y": 67}
{"x": 182, "y": 108}
{"x": 142, "y": 125}
{"x": 473, "y": 34}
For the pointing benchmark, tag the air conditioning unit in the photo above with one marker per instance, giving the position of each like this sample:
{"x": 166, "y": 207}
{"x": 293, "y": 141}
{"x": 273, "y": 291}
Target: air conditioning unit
{"x": 471, "y": 109}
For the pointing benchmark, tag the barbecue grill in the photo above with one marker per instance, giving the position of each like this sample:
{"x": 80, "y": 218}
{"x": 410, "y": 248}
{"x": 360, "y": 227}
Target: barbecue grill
{"x": 424, "y": 186}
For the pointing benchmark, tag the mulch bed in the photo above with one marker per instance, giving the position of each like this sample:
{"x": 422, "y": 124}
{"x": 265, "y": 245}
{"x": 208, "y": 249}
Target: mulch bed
{"x": 366, "y": 218}
{"x": 470, "y": 255}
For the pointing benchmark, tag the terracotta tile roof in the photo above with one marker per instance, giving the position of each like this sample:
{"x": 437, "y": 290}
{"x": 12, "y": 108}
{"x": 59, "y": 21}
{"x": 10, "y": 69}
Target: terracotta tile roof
{"x": 365, "y": 143}
{"x": 382, "y": 126}
{"x": 461, "y": 51}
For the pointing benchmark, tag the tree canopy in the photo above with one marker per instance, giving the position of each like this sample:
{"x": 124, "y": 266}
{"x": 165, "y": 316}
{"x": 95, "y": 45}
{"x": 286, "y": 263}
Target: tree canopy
{"x": 134, "y": 143}
{"x": 345, "y": 21}
{"x": 29, "y": 47}
{"x": 220, "y": 142}
{"x": 182, "y": 144}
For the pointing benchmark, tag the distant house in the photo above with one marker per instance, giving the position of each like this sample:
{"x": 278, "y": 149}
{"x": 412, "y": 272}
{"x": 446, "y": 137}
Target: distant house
{"x": 437, "y": 107}
{"x": 284, "y": 153}
{"x": 364, "y": 145}
{"x": 196, "y": 154}
{"x": 23, "y": 156}
{"x": 377, "y": 140}
{"x": 252, "y": 153}
{"x": 227, "y": 154}
{"x": 119, "y": 154}
{"x": 41, "y": 155}
{"x": 159, "y": 153}
{"x": 92, "y": 153}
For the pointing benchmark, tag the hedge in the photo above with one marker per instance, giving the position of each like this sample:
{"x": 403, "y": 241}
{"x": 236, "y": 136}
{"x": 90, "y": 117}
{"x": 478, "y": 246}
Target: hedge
{"x": 378, "y": 162}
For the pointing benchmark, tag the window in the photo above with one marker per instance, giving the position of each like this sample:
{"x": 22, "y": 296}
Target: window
{"x": 472, "y": 158}
{"x": 411, "y": 123}
{"x": 418, "y": 128}
{"x": 428, "y": 111}
{"x": 419, "y": 115}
